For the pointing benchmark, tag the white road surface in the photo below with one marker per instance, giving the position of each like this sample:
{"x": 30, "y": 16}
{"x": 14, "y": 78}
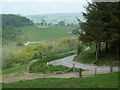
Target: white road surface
{"x": 68, "y": 62}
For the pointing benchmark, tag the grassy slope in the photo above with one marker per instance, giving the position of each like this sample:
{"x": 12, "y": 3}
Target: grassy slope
{"x": 40, "y": 65}
{"x": 19, "y": 68}
{"x": 36, "y": 65}
{"x": 101, "y": 81}
{"x": 12, "y": 49}
{"x": 88, "y": 57}
{"x": 34, "y": 33}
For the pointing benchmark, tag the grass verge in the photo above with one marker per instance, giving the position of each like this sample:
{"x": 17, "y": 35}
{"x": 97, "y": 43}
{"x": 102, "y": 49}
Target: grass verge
{"x": 88, "y": 57}
{"x": 40, "y": 65}
{"x": 109, "y": 80}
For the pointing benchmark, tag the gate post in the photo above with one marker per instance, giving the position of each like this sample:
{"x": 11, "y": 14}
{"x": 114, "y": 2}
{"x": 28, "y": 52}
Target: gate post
{"x": 111, "y": 69}
{"x": 73, "y": 68}
{"x": 80, "y": 72}
{"x": 95, "y": 70}
{"x": 28, "y": 68}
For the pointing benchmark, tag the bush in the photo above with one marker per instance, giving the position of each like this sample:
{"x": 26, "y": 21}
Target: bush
{"x": 47, "y": 49}
{"x": 20, "y": 40}
{"x": 8, "y": 61}
{"x": 79, "y": 48}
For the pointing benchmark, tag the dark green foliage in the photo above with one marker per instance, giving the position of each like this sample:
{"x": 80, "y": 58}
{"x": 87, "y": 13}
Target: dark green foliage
{"x": 79, "y": 48}
{"x": 61, "y": 23}
{"x": 15, "y": 20}
{"x": 9, "y": 24}
{"x": 102, "y": 23}
{"x": 10, "y": 33}
{"x": 76, "y": 31}
{"x": 88, "y": 57}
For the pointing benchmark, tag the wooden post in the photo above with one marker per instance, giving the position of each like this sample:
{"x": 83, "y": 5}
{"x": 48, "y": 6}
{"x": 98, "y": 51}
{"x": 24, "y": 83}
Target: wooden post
{"x": 95, "y": 70}
{"x": 73, "y": 68}
{"x": 28, "y": 68}
{"x": 80, "y": 72}
{"x": 96, "y": 52}
{"x": 111, "y": 69}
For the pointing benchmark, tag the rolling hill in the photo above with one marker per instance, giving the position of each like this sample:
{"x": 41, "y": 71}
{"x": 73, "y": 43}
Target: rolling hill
{"x": 57, "y": 17}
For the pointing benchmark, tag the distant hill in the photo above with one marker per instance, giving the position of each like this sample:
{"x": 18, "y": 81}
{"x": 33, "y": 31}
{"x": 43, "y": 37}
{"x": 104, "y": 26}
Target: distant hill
{"x": 10, "y": 22}
{"x": 57, "y": 17}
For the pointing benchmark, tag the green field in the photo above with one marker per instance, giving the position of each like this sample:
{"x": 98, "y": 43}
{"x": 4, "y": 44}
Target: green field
{"x": 40, "y": 65}
{"x": 34, "y": 33}
{"x": 88, "y": 57}
{"x": 101, "y": 81}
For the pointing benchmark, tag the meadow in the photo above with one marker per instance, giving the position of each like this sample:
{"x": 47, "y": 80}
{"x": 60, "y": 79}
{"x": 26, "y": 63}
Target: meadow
{"x": 35, "y": 33}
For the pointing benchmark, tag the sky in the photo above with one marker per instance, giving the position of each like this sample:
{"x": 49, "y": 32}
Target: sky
{"x": 36, "y": 8}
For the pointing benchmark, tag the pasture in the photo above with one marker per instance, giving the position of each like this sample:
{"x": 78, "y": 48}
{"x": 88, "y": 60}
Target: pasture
{"x": 35, "y": 33}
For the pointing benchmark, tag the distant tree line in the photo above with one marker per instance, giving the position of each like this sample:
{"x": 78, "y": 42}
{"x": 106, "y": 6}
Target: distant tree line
{"x": 15, "y": 20}
{"x": 60, "y": 23}
{"x": 9, "y": 24}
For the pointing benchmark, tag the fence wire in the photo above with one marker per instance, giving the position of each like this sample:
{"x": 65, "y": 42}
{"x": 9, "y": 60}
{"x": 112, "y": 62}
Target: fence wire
{"x": 93, "y": 71}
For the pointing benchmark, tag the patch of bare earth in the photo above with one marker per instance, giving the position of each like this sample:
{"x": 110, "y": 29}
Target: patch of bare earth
{"x": 42, "y": 26}
{"x": 9, "y": 78}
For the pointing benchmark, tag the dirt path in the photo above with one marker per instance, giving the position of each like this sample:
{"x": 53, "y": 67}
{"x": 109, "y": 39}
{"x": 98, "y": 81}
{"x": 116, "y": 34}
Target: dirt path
{"x": 27, "y": 43}
{"x": 29, "y": 76}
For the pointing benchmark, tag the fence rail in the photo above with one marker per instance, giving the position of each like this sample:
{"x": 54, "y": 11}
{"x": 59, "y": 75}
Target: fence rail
{"x": 79, "y": 72}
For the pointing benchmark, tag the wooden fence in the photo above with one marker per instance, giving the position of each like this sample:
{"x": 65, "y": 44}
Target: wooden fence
{"x": 79, "y": 72}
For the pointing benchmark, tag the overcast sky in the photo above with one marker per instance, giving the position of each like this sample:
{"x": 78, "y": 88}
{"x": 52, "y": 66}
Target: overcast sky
{"x": 35, "y": 8}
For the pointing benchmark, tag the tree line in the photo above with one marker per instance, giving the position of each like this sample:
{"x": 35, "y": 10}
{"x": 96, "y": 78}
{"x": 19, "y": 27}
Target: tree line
{"x": 102, "y": 26}
{"x": 9, "y": 24}
{"x": 60, "y": 23}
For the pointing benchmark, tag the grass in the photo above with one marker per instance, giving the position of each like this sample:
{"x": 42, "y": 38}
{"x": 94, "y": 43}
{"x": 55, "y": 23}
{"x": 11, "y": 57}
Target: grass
{"x": 34, "y": 33}
{"x": 19, "y": 68}
{"x": 37, "y": 65}
{"x": 12, "y": 49}
{"x": 88, "y": 57}
{"x": 40, "y": 65}
{"x": 101, "y": 81}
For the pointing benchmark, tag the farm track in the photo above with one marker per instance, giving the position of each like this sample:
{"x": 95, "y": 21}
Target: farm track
{"x": 10, "y": 78}
{"x": 27, "y": 43}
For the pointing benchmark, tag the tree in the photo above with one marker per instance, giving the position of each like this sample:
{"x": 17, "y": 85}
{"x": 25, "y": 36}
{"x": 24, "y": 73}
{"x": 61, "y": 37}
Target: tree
{"x": 43, "y": 22}
{"x": 20, "y": 40}
{"x": 100, "y": 24}
{"x": 61, "y": 23}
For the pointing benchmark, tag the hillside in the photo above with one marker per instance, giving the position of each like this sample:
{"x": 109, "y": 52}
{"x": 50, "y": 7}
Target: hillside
{"x": 57, "y": 17}
{"x": 10, "y": 22}
{"x": 35, "y": 33}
